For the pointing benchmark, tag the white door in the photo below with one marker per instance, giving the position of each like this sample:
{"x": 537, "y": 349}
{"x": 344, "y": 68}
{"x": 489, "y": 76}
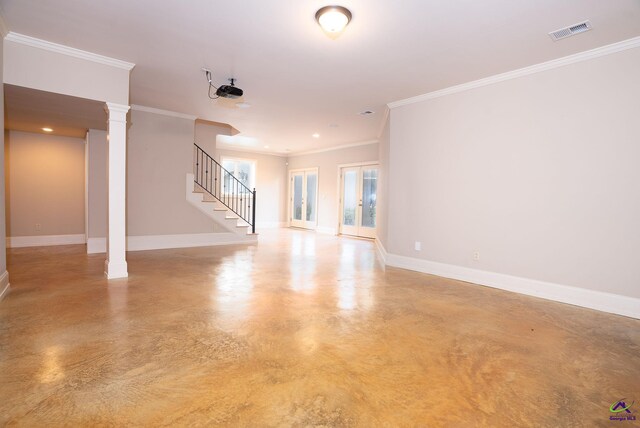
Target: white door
{"x": 358, "y": 199}
{"x": 304, "y": 198}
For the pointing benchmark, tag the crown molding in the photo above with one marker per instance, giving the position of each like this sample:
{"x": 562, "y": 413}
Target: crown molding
{"x": 331, "y": 149}
{"x": 66, "y": 50}
{"x": 232, "y": 148}
{"x": 163, "y": 112}
{"x": 537, "y": 68}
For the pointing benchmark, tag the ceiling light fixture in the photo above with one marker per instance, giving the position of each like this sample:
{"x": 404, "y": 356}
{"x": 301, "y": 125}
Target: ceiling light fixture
{"x": 333, "y": 19}
{"x": 47, "y": 129}
{"x": 316, "y": 135}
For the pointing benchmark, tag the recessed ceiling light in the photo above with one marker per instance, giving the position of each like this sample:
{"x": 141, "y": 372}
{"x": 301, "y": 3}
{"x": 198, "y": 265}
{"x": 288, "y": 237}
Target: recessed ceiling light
{"x": 47, "y": 129}
{"x": 366, "y": 113}
{"x": 243, "y": 105}
{"x": 333, "y": 19}
{"x": 266, "y": 147}
{"x": 316, "y": 135}
{"x": 333, "y": 125}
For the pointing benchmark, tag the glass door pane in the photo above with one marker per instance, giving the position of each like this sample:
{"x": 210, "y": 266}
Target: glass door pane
{"x": 350, "y": 198}
{"x": 369, "y": 188}
{"x": 312, "y": 186}
{"x": 297, "y": 197}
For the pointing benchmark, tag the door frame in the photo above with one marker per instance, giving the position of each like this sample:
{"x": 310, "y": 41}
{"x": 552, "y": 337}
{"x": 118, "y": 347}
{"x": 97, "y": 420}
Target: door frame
{"x": 339, "y": 189}
{"x": 304, "y": 189}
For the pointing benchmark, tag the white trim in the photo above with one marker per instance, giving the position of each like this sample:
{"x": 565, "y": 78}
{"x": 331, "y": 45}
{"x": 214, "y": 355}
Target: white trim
{"x": 44, "y": 240}
{"x": 145, "y": 109}
{"x": 232, "y": 148}
{"x": 326, "y": 230}
{"x": 598, "y": 300}
{"x": 339, "y": 191}
{"x": 158, "y": 242}
{"x": 331, "y": 149}
{"x": 514, "y": 74}
{"x": 117, "y": 112}
{"x": 115, "y": 270}
{"x": 96, "y": 245}
{"x": 86, "y": 183}
{"x": 304, "y": 171}
{"x": 69, "y": 51}
{"x": 4, "y": 284}
{"x": 352, "y": 164}
{"x": 161, "y": 242}
{"x": 381, "y": 252}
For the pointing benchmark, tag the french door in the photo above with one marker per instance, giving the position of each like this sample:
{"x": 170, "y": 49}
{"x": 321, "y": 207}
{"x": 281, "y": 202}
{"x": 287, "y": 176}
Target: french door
{"x": 304, "y": 198}
{"x": 359, "y": 185}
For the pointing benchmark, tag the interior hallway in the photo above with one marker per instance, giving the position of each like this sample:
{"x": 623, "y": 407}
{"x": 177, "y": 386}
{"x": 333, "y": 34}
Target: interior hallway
{"x": 299, "y": 330}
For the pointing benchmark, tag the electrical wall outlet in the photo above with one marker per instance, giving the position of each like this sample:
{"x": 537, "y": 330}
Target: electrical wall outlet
{"x": 476, "y": 256}
{"x": 418, "y": 246}
{"x": 38, "y": 227}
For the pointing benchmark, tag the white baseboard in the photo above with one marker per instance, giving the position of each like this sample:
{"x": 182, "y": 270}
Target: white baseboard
{"x": 96, "y": 245}
{"x": 160, "y": 242}
{"x": 4, "y": 284}
{"x": 115, "y": 270}
{"x": 44, "y": 240}
{"x": 598, "y": 300}
{"x": 326, "y": 230}
{"x": 381, "y": 253}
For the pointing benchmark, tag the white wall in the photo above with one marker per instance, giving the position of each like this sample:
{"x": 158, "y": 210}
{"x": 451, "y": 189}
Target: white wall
{"x": 159, "y": 155}
{"x": 271, "y": 186}
{"x": 539, "y": 174}
{"x": 206, "y": 134}
{"x": 44, "y": 184}
{"x": 96, "y": 184}
{"x": 382, "y": 221}
{"x": 4, "y": 276}
{"x": 327, "y": 164}
{"x": 42, "y": 69}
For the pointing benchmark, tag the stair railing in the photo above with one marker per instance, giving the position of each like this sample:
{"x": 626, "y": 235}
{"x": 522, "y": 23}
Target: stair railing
{"x": 222, "y": 185}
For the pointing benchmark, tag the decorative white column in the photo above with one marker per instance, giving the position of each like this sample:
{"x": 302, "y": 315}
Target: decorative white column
{"x": 116, "y": 265}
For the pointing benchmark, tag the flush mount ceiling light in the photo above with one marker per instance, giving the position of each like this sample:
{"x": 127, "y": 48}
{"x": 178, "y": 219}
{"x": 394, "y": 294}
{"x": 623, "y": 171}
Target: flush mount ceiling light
{"x": 333, "y": 19}
{"x": 47, "y": 129}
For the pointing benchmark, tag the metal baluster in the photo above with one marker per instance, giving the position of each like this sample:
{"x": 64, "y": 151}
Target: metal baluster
{"x": 253, "y": 213}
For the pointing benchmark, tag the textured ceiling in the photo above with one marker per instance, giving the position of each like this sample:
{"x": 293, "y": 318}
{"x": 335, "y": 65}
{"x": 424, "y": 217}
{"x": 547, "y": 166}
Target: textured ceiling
{"x": 297, "y": 80}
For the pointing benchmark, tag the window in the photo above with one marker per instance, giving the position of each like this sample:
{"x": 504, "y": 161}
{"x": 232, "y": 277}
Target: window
{"x": 242, "y": 169}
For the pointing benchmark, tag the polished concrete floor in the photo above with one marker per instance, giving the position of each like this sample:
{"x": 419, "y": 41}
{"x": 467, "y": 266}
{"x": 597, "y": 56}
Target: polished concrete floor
{"x": 299, "y": 330}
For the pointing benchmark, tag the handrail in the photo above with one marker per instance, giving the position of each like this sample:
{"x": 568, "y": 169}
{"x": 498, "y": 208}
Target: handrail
{"x": 222, "y": 185}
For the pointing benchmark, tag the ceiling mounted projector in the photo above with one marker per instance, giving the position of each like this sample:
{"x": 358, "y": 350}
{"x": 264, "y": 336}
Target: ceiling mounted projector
{"x": 224, "y": 91}
{"x": 229, "y": 91}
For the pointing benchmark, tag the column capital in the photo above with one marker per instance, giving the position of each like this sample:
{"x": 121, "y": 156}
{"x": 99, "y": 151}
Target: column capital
{"x": 116, "y": 111}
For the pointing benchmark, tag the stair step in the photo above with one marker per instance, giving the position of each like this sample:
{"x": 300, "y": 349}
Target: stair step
{"x": 220, "y": 209}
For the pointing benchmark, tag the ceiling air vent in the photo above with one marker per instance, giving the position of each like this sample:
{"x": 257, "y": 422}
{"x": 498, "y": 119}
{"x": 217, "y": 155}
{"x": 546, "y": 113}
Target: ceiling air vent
{"x": 570, "y": 31}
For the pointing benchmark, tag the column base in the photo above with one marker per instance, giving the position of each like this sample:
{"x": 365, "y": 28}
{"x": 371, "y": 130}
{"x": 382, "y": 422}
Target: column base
{"x": 113, "y": 270}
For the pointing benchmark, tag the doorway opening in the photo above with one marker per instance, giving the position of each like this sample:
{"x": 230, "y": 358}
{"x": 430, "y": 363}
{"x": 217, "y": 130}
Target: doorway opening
{"x": 303, "y": 198}
{"x": 358, "y": 200}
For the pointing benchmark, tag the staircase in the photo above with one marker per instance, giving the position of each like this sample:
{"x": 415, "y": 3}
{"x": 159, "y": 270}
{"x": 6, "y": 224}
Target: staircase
{"x": 222, "y": 197}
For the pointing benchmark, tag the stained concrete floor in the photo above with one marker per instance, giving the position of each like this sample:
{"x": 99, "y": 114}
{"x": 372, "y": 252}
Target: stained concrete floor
{"x": 299, "y": 330}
